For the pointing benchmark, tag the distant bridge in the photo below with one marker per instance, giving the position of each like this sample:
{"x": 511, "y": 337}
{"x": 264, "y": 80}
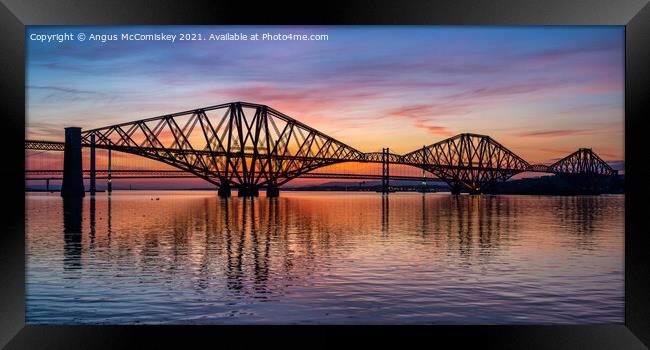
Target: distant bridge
{"x": 54, "y": 174}
{"x": 250, "y": 146}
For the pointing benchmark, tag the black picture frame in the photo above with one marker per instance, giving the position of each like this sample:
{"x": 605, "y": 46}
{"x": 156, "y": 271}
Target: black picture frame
{"x": 633, "y": 14}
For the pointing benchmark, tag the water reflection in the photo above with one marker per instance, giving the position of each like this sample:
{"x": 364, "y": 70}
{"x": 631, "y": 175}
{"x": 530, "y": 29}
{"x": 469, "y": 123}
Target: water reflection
{"x": 385, "y": 214}
{"x": 72, "y": 210}
{"x": 108, "y": 216}
{"x": 197, "y": 256}
{"x": 92, "y": 222}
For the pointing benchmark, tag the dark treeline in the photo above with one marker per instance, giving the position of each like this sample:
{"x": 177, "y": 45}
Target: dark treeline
{"x": 545, "y": 185}
{"x": 561, "y": 185}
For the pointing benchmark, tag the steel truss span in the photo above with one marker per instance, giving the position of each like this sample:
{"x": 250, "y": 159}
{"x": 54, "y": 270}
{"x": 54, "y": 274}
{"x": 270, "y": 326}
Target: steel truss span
{"x": 240, "y": 144}
{"x": 44, "y": 145}
{"x": 248, "y": 146}
{"x": 468, "y": 160}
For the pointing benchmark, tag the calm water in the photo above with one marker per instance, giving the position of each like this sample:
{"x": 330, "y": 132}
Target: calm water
{"x": 191, "y": 257}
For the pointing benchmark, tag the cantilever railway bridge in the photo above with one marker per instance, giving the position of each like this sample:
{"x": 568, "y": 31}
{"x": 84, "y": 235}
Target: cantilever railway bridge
{"x": 250, "y": 146}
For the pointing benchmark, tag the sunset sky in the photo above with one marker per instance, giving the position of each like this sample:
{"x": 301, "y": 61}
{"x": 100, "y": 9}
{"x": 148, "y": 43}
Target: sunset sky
{"x": 542, "y": 92}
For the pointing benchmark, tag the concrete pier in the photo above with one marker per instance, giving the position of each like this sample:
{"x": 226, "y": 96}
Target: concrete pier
{"x": 272, "y": 192}
{"x": 73, "y": 185}
{"x": 109, "y": 182}
{"x": 224, "y": 191}
{"x": 93, "y": 173}
{"x": 248, "y": 192}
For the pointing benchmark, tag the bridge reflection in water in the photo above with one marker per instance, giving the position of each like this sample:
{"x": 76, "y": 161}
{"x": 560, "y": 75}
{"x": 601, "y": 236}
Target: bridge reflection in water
{"x": 184, "y": 257}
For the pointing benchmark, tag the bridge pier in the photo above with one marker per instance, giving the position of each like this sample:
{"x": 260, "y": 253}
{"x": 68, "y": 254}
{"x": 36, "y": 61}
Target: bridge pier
{"x": 385, "y": 171}
{"x": 73, "y": 185}
{"x": 93, "y": 174}
{"x": 272, "y": 191}
{"x": 109, "y": 181}
{"x": 248, "y": 191}
{"x": 455, "y": 188}
{"x": 224, "y": 191}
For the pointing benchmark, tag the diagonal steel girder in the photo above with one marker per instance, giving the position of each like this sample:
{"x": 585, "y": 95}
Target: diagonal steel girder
{"x": 582, "y": 162}
{"x": 469, "y": 160}
{"x": 246, "y": 144}
{"x": 235, "y": 144}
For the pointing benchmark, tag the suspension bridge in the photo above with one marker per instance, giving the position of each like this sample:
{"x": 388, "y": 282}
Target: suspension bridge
{"x": 251, "y": 146}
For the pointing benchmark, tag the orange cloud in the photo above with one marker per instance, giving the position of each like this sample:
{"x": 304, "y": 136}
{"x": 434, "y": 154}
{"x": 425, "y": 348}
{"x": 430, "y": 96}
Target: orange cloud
{"x": 550, "y": 133}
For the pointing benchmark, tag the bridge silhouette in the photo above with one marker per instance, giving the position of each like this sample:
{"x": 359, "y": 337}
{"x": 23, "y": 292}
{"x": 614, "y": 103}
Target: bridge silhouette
{"x": 250, "y": 146}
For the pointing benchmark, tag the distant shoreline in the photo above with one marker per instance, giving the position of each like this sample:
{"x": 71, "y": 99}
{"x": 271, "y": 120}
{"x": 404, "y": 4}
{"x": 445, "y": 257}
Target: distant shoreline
{"x": 545, "y": 185}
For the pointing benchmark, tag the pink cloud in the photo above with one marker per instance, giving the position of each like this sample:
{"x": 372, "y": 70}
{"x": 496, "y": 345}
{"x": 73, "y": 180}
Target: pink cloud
{"x": 421, "y": 114}
{"x": 500, "y": 91}
{"x": 549, "y": 133}
{"x": 440, "y": 130}
{"x": 599, "y": 87}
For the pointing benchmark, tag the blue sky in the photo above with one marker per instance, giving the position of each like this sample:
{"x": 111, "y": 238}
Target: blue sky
{"x": 541, "y": 91}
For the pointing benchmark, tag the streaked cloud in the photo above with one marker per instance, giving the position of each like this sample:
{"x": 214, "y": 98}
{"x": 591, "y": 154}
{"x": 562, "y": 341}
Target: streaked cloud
{"x": 534, "y": 89}
{"x": 549, "y": 133}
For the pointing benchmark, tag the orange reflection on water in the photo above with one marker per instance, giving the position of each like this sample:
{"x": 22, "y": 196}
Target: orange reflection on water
{"x": 316, "y": 257}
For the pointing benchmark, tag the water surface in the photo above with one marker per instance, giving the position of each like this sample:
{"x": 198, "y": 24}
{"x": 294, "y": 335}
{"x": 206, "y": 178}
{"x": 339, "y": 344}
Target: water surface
{"x": 320, "y": 258}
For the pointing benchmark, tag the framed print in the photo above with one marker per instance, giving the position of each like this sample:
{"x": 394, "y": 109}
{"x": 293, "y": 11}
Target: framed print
{"x": 434, "y": 170}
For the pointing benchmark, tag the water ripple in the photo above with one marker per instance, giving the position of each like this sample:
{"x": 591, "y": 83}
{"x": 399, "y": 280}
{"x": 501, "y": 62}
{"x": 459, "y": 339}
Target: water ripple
{"x": 333, "y": 258}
